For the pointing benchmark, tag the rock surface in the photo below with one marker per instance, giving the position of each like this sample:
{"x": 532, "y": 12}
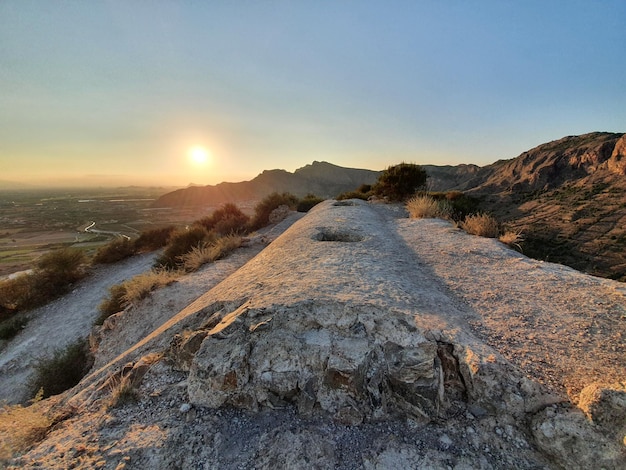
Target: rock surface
{"x": 356, "y": 340}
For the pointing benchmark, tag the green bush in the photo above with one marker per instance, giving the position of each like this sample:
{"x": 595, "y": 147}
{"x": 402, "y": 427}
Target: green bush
{"x": 63, "y": 370}
{"x": 117, "y": 250}
{"x": 10, "y": 328}
{"x": 154, "y": 239}
{"x": 353, "y": 195}
{"x": 227, "y": 220}
{"x": 264, "y": 208}
{"x": 308, "y": 202}
{"x": 182, "y": 242}
{"x": 400, "y": 182}
{"x": 461, "y": 204}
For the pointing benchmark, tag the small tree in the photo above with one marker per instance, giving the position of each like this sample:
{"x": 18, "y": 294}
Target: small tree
{"x": 400, "y": 182}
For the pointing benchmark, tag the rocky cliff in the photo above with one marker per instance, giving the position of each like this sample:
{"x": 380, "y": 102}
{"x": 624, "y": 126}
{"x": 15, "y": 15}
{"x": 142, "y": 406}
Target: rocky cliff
{"x": 360, "y": 339}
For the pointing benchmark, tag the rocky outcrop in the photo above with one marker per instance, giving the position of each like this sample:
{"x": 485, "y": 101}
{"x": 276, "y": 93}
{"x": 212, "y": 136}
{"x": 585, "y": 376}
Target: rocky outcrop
{"x": 335, "y": 347}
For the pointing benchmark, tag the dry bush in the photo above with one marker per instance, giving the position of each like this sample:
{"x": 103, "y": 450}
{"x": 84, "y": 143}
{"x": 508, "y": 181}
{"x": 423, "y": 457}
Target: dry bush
{"x": 181, "y": 242}
{"x": 141, "y": 285}
{"x": 53, "y": 275}
{"x": 114, "y": 251}
{"x": 153, "y": 239}
{"x": 122, "y": 393}
{"x": 209, "y": 253}
{"x": 21, "y": 428}
{"x": 226, "y": 220}
{"x": 425, "y": 207}
{"x": 512, "y": 238}
{"x": 483, "y": 225}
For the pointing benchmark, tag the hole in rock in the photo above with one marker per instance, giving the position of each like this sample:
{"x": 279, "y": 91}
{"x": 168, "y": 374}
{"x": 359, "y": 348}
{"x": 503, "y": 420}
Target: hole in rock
{"x": 330, "y": 235}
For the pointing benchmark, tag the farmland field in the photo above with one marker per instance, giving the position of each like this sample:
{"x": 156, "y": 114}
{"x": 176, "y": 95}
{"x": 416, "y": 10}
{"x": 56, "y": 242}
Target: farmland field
{"x": 35, "y": 222}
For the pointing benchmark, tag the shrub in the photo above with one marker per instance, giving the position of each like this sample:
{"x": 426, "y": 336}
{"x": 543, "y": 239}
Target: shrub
{"x": 461, "y": 205}
{"x": 153, "y": 239}
{"x": 363, "y": 192}
{"x": 18, "y": 294}
{"x": 63, "y": 370}
{"x": 209, "y": 253}
{"x": 482, "y": 225}
{"x": 264, "y": 208}
{"x": 512, "y": 238}
{"x": 131, "y": 291}
{"x": 308, "y": 202}
{"x": 180, "y": 243}
{"x": 140, "y": 286}
{"x": 113, "y": 303}
{"x": 428, "y": 208}
{"x": 54, "y": 273}
{"x": 226, "y": 220}
{"x": 64, "y": 265}
{"x": 117, "y": 250}
{"x": 21, "y": 428}
{"x": 400, "y": 182}
{"x": 10, "y": 328}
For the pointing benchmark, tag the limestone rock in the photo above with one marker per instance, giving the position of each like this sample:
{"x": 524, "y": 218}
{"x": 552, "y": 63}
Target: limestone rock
{"x": 566, "y": 435}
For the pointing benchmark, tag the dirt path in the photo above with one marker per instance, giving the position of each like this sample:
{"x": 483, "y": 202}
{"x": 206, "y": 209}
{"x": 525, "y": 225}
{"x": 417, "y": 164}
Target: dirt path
{"x": 59, "y": 323}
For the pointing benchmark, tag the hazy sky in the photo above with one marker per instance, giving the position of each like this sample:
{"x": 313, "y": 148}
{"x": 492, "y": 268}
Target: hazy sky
{"x": 125, "y": 88}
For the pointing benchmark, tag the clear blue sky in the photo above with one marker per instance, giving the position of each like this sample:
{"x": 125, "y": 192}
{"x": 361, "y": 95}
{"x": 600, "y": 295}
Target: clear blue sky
{"x": 125, "y": 88}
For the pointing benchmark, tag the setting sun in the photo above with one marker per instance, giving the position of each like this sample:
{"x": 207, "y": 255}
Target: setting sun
{"x": 198, "y": 155}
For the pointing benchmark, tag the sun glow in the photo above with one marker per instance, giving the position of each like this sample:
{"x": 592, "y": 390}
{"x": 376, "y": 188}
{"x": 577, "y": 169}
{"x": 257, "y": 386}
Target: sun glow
{"x": 199, "y": 155}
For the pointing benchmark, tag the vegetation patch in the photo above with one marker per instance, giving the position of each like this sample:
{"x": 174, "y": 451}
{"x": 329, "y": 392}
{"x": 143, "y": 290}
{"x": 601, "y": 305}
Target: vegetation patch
{"x": 226, "y": 220}
{"x": 10, "y": 328}
{"x": 116, "y": 250}
{"x": 426, "y": 207}
{"x": 62, "y": 370}
{"x": 182, "y": 242}
{"x": 264, "y": 208}
{"x": 21, "y": 428}
{"x": 154, "y": 239}
{"x": 308, "y": 202}
{"x": 209, "y": 253}
{"x": 400, "y": 182}
{"x": 483, "y": 225}
{"x": 53, "y": 275}
{"x": 132, "y": 291}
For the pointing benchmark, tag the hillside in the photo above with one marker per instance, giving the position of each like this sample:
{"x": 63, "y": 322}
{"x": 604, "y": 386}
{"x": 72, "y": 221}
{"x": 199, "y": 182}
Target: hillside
{"x": 568, "y": 197}
{"x": 358, "y": 338}
{"x": 320, "y": 178}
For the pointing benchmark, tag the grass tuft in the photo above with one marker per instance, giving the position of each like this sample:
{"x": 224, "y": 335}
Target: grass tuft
{"x": 209, "y": 253}
{"x": 425, "y": 207}
{"x": 21, "y": 428}
{"x": 483, "y": 225}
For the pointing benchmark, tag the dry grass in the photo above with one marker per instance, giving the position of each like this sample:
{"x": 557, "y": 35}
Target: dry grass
{"x": 482, "y": 225}
{"x": 122, "y": 393}
{"x": 425, "y": 207}
{"x": 209, "y": 253}
{"x": 512, "y": 238}
{"x": 141, "y": 285}
{"x": 21, "y": 428}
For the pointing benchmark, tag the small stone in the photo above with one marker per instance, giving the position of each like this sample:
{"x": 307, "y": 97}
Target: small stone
{"x": 185, "y": 407}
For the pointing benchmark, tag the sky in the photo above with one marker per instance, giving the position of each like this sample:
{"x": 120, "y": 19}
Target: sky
{"x": 103, "y": 92}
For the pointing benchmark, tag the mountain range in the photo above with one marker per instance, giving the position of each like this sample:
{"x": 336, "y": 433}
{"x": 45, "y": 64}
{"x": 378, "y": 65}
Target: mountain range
{"x": 566, "y": 197}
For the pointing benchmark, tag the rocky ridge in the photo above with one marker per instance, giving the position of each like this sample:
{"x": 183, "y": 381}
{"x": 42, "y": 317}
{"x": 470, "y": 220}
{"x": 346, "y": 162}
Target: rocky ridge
{"x": 344, "y": 345}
